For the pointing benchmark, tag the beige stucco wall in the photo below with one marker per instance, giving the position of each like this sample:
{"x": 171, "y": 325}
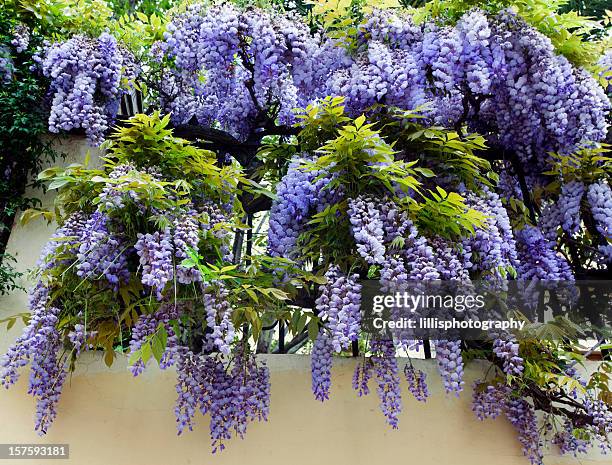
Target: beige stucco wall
{"x": 109, "y": 417}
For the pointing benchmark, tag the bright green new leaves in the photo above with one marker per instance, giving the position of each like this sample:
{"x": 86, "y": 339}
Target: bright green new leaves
{"x": 587, "y": 165}
{"x": 255, "y": 293}
{"x": 360, "y": 161}
{"x": 147, "y": 141}
{"x": 64, "y": 17}
{"x": 446, "y": 214}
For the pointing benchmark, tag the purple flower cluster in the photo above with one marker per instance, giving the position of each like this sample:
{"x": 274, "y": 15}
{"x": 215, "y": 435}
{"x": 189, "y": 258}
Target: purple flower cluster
{"x": 538, "y": 258}
{"x": 417, "y": 257}
{"x": 299, "y": 193}
{"x": 21, "y": 38}
{"x": 237, "y": 397}
{"x": 86, "y": 77}
{"x": 567, "y": 441}
{"x": 367, "y": 228}
{"x": 601, "y": 415}
{"x": 448, "y": 261}
{"x": 321, "y": 363}
{"x": 41, "y": 345}
{"x": 65, "y": 241}
{"x": 379, "y": 75}
{"x": 340, "y": 304}
{"x": 506, "y": 349}
{"x": 416, "y": 382}
{"x": 186, "y": 237}
{"x": 493, "y": 247}
{"x": 194, "y": 374}
{"x": 450, "y": 365}
{"x": 599, "y": 196}
{"x": 494, "y": 400}
{"x": 6, "y": 65}
{"x": 387, "y": 380}
{"x": 569, "y": 203}
{"x": 19, "y": 354}
{"x": 361, "y": 377}
{"x": 541, "y": 103}
{"x": 232, "y": 397}
{"x": 490, "y": 401}
{"x": 394, "y": 29}
{"x": 420, "y": 256}
{"x": 78, "y": 337}
{"x": 48, "y": 370}
{"x": 218, "y": 318}
{"x": 156, "y": 259}
{"x": 102, "y": 253}
{"x": 522, "y": 416}
{"x": 251, "y": 61}
{"x": 549, "y": 221}
{"x": 146, "y": 326}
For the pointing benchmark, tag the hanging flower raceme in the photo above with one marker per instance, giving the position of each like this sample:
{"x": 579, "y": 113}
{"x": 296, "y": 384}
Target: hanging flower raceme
{"x": 538, "y": 259}
{"x": 416, "y": 383}
{"x": 321, "y": 363}
{"x": 450, "y": 365}
{"x": 300, "y": 193}
{"x": 599, "y": 196}
{"x": 86, "y": 83}
{"x": 218, "y": 318}
{"x": 340, "y": 305}
{"x": 232, "y": 395}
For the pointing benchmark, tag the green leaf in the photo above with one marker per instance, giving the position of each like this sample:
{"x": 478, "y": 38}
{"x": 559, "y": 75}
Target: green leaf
{"x": 313, "y": 329}
{"x": 109, "y": 358}
{"x": 58, "y": 183}
{"x": 157, "y": 347}
{"x": 146, "y": 351}
{"x": 134, "y": 357}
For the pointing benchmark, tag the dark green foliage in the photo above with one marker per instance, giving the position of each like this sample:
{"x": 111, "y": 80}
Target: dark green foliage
{"x": 9, "y": 277}
{"x": 22, "y": 123}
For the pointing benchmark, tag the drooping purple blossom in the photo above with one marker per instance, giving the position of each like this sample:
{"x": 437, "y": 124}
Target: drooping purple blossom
{"x": 569, "y": 204}
{"x": 102, "y": 253}
{"x": 21, "y": 38}
{"x": 506, "y": 348}
{"x": 490, "y": 401}
{"x": 367, "y": 229}
{"x": 86, "y": 86}
{"x": 417, "y": 383}
{"x": 599, "y": 196}
{"x": 450, "y": 365}
{"x": 218, "y": 318}
{"x": 538, "y": 259}
{"x": 321, "y": 362}
{"x": 156, "y": 259}
{"x": 146, "y": 326}
{"x": 522, "y": 416}
{"x": 300, "y": 193}
{"x": 387, "y": 379}
{"x": 339, "y": 304}
{"x": 186, "y": 237}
